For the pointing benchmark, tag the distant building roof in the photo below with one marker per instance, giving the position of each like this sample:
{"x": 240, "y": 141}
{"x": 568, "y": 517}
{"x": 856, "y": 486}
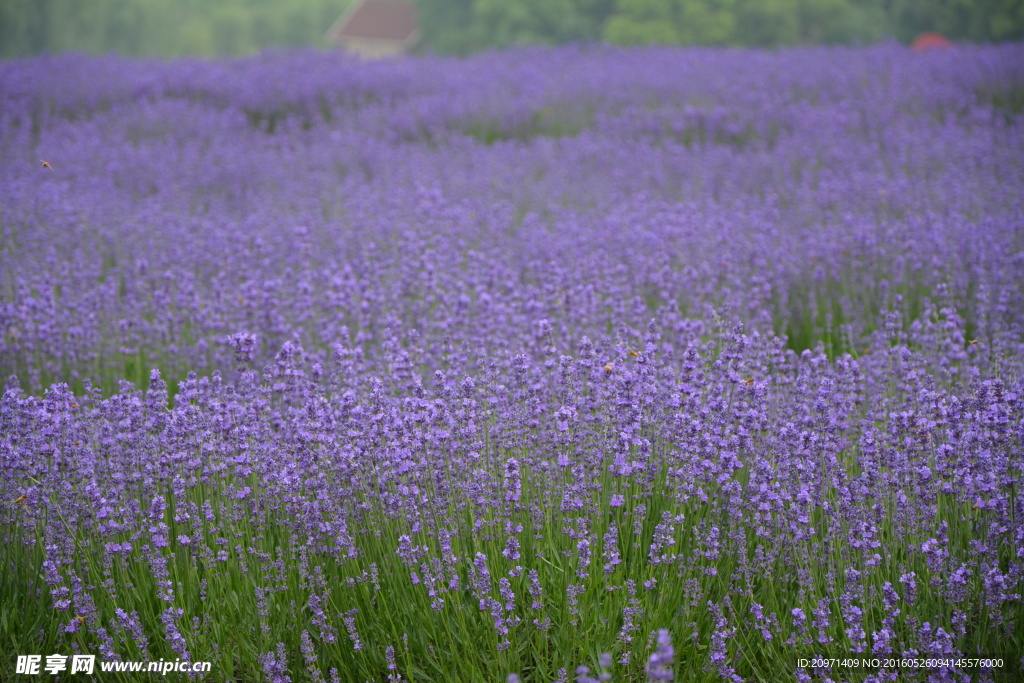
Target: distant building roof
{"x": 391, "y": 20}
{"x": 930, "y": 41}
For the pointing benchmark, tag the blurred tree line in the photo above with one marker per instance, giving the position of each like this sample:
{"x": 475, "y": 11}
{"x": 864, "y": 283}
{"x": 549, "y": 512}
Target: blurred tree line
{"x": 234, "y": 27}
{"x": 163, "y": 28}
{"x": 463, "y": 26}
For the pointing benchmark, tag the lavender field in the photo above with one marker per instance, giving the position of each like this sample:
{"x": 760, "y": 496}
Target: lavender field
{"x": 576, "y": 364}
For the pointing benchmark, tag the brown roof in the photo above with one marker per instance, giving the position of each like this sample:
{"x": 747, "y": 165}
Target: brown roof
{"x": 379, "y": 19}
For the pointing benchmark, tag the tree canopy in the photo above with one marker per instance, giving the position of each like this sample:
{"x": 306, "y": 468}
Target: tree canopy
{"x": 233, "y": 27}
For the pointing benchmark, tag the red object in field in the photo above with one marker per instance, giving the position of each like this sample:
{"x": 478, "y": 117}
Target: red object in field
{"x": 930, "y": 41}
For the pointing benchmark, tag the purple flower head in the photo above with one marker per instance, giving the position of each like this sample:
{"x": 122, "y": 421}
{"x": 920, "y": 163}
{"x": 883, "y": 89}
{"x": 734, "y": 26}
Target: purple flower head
{"x": 511, "y": 551}
{"x": 275, "y": 666}
{"x": 349, "y": 618}
{"x": 513, "y": 483}
{"x": 244, "y": 345}
{"x": 583, "y": 558}
{"x": 659, "y": 666}
{"x": 392, "y": 666}
{"x": 480, "y": 577}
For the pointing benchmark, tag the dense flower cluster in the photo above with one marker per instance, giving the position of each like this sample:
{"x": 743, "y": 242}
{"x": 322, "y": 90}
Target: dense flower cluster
{"x": 201, "y": 214}
{"x": 703, "y": 360}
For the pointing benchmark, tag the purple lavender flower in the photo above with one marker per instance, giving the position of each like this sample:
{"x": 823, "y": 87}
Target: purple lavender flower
{"x": 349, "y": 619}
{"x": 513, "y": 483}
{"x": 170, "y": 618}
{"x": 480, "y": 577}
{"x": 612, "y": 558}
{"x": 573, "y": 593}
{"x": 389, "y": 656}
{"x": 275, "y": 665}
{"x": 659, "y": 666}
{"x": 535, "y": 590}
{"x": 309, "y": 656}
{"x": 511, "y": 551}
{"x": 583, "y": 558}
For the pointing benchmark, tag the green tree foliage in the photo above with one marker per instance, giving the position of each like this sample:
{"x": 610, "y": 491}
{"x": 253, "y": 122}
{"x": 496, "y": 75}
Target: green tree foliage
{"x": 530, "y": 21}
{"x": 706, "y": 22}
{"x": 448, "y": 26}
{"x": 234, "y": 27}
{"x": 974, "y": 20}
{"x": 163, "y": 27}
{"x": 746, "y": 22}
{"x": 462, "y": 26}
